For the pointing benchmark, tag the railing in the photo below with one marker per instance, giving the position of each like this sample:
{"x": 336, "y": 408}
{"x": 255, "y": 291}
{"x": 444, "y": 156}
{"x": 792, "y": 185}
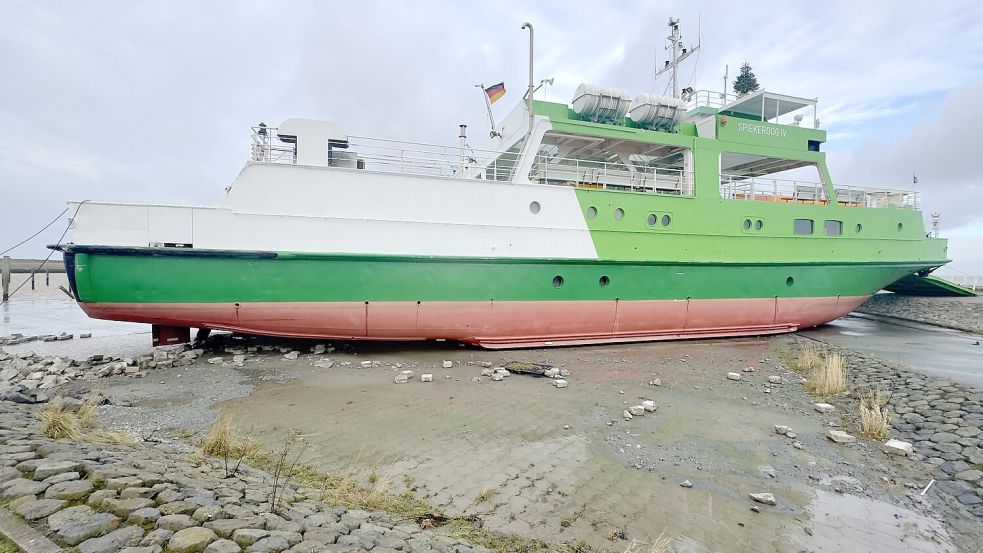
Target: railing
{"x": 709, "y": 98}
{"x": 611, "y": 176}
{"x": 764, "y": 189}
{"x": 432, "y": 159}
{"x": 267, "y": 147}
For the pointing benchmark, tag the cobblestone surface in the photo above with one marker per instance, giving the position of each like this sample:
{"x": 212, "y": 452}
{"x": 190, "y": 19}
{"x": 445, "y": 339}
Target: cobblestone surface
{"x": 959, "y": 313}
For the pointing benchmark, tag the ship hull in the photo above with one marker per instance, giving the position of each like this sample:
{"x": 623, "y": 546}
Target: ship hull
{"x": 489, "y": 302}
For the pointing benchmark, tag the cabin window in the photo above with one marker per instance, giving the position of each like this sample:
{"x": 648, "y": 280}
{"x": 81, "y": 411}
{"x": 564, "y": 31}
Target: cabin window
{"x": 858, "y": 228}
{"x": 759, "y": 224}
{"x": 557, "y": 281}
{"x": 652, "y": 219}
{"x": 619, "y": 214}
{"x": 803, "y": 226}
{"x": 833, "y": 228}
{"x": 770, "y": 179}
{"x": 666, "y": 220}
{"x": 591, "y": 212}
{"x": 900, "y": 227}
{"x": 534, "y": 207}
{"x": 584, "y": 161}
{"x": 603, "y": 281}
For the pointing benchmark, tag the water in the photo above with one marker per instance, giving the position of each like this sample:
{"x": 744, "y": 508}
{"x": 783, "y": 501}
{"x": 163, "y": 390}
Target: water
{"x": 934, "y": 350}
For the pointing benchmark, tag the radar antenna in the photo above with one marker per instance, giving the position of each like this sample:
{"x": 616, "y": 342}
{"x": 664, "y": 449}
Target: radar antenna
{"x": 674, "y": 43}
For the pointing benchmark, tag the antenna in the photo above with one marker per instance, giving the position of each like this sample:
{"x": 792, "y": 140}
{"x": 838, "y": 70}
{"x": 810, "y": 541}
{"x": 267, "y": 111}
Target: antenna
{"x": 678, "y": 54}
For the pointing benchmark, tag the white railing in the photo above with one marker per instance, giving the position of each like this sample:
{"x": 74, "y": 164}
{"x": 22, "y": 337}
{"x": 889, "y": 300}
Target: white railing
{"x": 432, "y": 159}
{"x": 611, "y": 176}
{"x": 709, "y": 99}
{"x": 267, "y": 147}
{"x": 765, "y": 189}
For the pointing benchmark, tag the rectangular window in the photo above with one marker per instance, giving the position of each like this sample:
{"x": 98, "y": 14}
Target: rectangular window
{"x": 833, "y": 228}
{"x": 803, "y": 226}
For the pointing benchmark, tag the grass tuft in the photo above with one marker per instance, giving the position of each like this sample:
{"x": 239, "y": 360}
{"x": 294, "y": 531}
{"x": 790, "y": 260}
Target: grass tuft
{"x": 486, "y": 493}
{"x": 875, "y": 419}
{"x": 822, "y": 369}
{"x": 78, "y": 423}
{"x": 661, "y": 544}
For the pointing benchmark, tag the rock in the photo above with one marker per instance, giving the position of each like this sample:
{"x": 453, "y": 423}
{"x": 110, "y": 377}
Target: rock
{"x": 51, "y": 468}
{"x": 401, "y": 379}
{"x": 552, "y": 372}
{"x": 447, "y": 364}
{"x": 113, "y": 541}
{"x": 138, "y": 491}
{"x": 33, "y": 510}
{"x": 897, "y": 447}
{"x": 58, "y": 520}
{"x": 180, "y": 507}
{"x": 61, "y": 477}
{"x": 97, "y": 497}
{"x": 840, "y": 437}
{"x": 734, "y": 376}
{"x": 291, "y": 355}
{"x": 766, "y": 498}
{"x": 207, "y": 513}
{"x": 636, "y": 410}
{"x": 191, "y": 540}
{"x": 824, "y": 408}
{"x": 123, "y": 507}
{"x": 8, "y": 473}
{"x": 269, "y": 544}
{"x": 790, "y": 434}
{"x": 774, "y": 379}
{"x": 686, "y": 484}
{"x": 175, "y": 522}
{"x": 146, "y": 515}
{"x": 426, "y": 377}
{"x": 655, "y": 382}
{"x": 627, "y": 415}
{"x": 944, "y": 437}
{"x": 560, "y": 383}
{"x": 19, "y": 487}
{"x": 971, "y": 475}
{"x": 216, "y": 360}
{"x": 497, "y": 377}
{"x": 506, "y": 373}
{"x": 781, "y": 429}
{"x": 146, "y": 549}
{"x": 76, "y": 530}
{"x": 648, "y": 405}
{"x": 224, "y": 528}
{"x": 767, "y": 470}
{"x": 248, "y": 536}
{"x": 70, "y": 490}
{"x": 223, "y": 546}
{"x": 157, "y": 537}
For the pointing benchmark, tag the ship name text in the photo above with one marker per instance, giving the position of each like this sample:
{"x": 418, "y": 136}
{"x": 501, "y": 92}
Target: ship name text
{"x": 761, "y": 129}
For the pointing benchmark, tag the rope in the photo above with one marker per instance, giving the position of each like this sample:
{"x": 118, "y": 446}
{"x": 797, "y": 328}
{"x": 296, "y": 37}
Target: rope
{"x": 29, "y": 238}
{"x": 52, "y": 252}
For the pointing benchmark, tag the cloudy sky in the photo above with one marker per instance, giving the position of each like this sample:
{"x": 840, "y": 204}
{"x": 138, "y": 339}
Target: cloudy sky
{"x": 152, "y": 101}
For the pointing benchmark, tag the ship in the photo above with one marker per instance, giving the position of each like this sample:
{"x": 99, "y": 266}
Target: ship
{"x": 610, "y": 219}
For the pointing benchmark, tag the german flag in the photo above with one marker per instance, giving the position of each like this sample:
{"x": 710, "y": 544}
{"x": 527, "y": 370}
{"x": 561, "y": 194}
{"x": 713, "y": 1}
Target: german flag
{"x": 495, "y": 92}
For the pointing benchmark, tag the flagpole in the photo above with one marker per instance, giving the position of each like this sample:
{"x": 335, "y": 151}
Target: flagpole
{"x": 491, "y": 116}
{"x": 529, "y": 92}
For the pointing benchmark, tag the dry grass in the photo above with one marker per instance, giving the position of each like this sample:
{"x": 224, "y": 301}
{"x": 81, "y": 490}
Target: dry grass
{"x": 76, "y": 424}
{"x": 822, "y": 369}
{"x": 486, "y": 493}
{"x": 661, "y": 544}
{"x": 875, "y": 419}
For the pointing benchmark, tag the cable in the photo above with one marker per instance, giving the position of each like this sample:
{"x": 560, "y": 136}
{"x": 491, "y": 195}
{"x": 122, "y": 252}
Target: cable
{"x": 53, "y": 221}
{"x": 46, "y": 259}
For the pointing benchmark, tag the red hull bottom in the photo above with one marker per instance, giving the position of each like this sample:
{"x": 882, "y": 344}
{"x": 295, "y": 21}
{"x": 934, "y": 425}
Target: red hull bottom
{"x": 494, "y": 324}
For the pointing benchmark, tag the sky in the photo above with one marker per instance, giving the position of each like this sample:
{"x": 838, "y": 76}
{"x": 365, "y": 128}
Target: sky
{"x": 151, "y": 102}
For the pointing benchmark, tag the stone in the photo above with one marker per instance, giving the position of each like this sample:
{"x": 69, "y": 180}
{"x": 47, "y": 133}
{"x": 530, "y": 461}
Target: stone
{"x": 898, "y": 447}
{"x": 191, "y": 540}
{"x": 497, "y": 377}
{"x": 19, "y": 487}
{"x": 225, "y": 528}
{"x": 180, "y": 507}
{"x": 426, "y": 377}
{"x": 207, "y": 513}
{"x": 223, "y": 546}
{"x": 447, "y": 364}
{"x": 60, "y": 519}
{"x": 97, "y": 497}
{"x": 686, "y": 484}
{"x": 734, "y": 376}
{"x": 766, "y": 498}
{"x": 774, "y": 379}
{"x": 648, "y": 405}
{"x": 636, "y": 410}
{"x": 401, "y": 379}
{"x": 70, "y": 490}
{"x": 175, "y": 522}
{"x": 61, "y": 477}
{"x": 781, "y": 429}
{"x": 326, "y": 535}
{"x": 971, "y": 475}
{"x": 121, "y": 482}
{"x": 269, "y": 544}
{"x": 75, "y": 531}
{"x": 51, "y": 468}
{"x": 655, "y": 382}
{"x": 146, "y": 549}
{"x": 824, "y": 408}
{"x": 123, "y": 507}
{"x": 113, "y": 541}
{"x": 146, "y": 515}
{"x": 944, "y": 437}
{"x": 560, "y": 383}
{"x": 138, "y": 491}
{"x": 969, "y": 499}
{"x": 8, "y": 473}
{"x": 157, "y": 537}
{"x": 840, "y": 437}
{"x": 33, "y": 510}
{"x": 292, "y": 355}
{"x": 248, "y": 536}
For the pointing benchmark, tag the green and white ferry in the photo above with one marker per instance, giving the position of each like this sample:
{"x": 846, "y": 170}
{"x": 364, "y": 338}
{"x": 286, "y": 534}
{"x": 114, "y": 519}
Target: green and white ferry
{"x": 609, "y": 220}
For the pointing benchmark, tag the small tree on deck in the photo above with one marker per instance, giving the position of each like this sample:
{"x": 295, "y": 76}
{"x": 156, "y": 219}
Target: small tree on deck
{"x": 746, "y": 81}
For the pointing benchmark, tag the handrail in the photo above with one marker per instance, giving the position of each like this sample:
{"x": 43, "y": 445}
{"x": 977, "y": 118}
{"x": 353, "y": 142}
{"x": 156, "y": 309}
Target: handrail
{"x": 741, "y": 187}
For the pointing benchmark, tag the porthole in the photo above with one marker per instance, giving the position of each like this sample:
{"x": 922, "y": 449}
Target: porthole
{"x": 591, "y": 212}
{"x": 666, "y": 220}
{"x": 619, "y": 214}
{"x": 557, "y": 281}
{"x": 759, "y": 224}
{"x": 603, "y": 281}
{"x": 900, "y": 227}
{"x": 652, "y": 219}
{"x": 858, "y": 228}
{"x": 789, "y": 282}
{"x": 747, "y": 224}
{"x": 534, "y": 207}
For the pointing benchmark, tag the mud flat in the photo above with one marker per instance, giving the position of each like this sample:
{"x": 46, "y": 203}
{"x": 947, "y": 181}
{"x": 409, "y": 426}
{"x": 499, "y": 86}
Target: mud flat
{"x": 960, "y": 313}
{"x": 564, "y": 465}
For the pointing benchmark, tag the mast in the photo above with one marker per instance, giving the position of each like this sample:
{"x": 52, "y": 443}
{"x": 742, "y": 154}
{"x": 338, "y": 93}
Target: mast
{"x": 530, "y": 90}
{"x": 677, "y": 55}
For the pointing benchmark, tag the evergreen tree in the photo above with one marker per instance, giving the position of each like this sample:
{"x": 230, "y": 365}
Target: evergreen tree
{"x": 746, "y": 81}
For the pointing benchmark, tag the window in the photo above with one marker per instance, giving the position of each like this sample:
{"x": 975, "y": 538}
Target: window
{"x": 803, "y": 226}
{"x": 603, "y": 281}
{"x": 619, "y": 214}
{"x": 652, "y": 219}
{"x": 666, "y": 219}
{"x": 900, "y": 227}
{"x": 770, "y": 179}
{"x": 747, "y": 224}
{"x": 534, "y": 207}
{"x": 859, "y": 228}
{"x": 591, "y": 212}
{"x": 833, "y": 228}
{"x": 557, "y": 281}
{"x": 759, "y": 224}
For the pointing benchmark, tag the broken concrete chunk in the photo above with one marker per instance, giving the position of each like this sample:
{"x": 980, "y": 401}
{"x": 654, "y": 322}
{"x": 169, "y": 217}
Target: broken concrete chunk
{"x": 426, "y": 377}
{"x": 781, "y": 429}
{"x": 840, "y": 437}
{"x": 649, "y": 405}
{"x": 824, "y": 408}
{"x": 734, "y": 376}
{"x": 400, "y": 379}
{"x": 636, "y": 410}
{"x": 774, "y": 379}
{"x": 447, "y": 364}
{"x": 560, "y": 383}
{"x": 497, "y": 377}
{"x": 766, "y": 498}
{"x": 898, "y": 447}
{"x": 551, "y": 372}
